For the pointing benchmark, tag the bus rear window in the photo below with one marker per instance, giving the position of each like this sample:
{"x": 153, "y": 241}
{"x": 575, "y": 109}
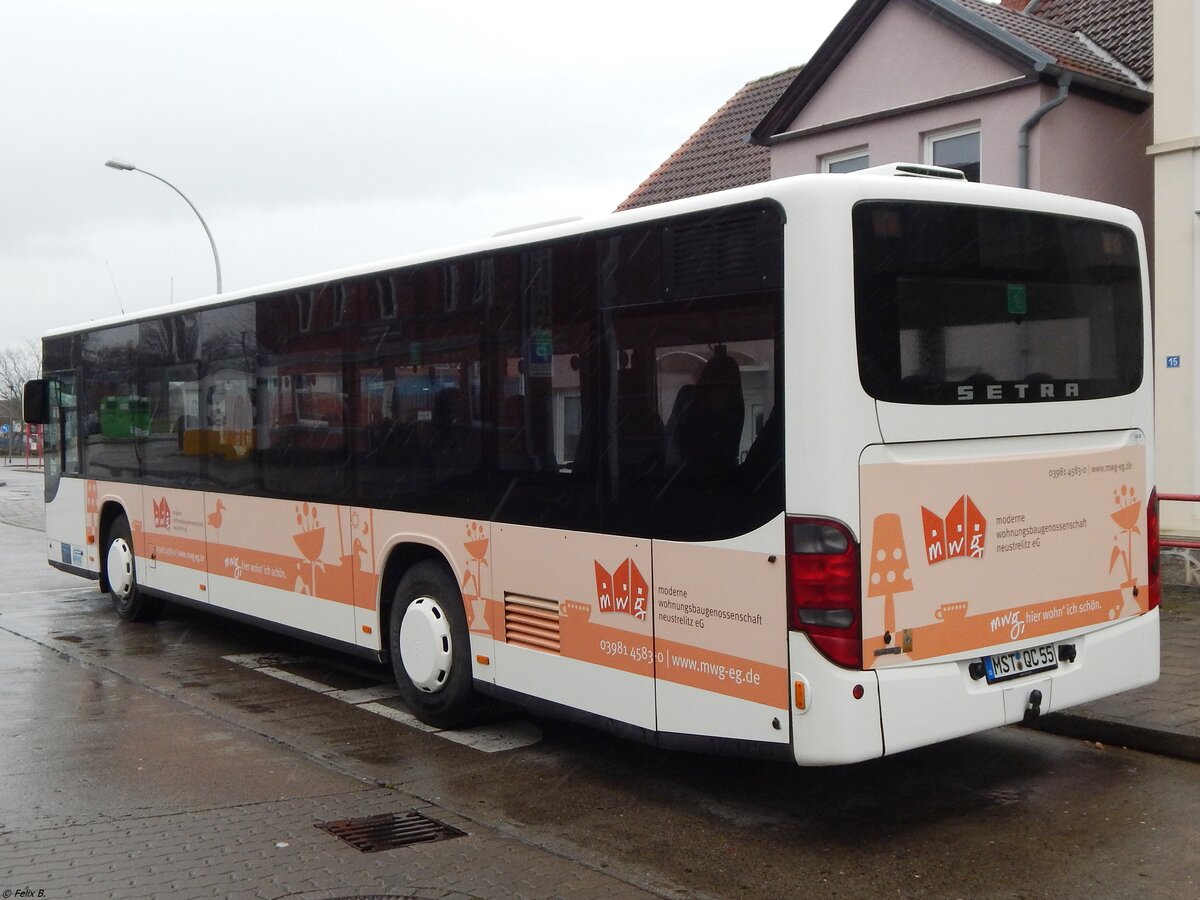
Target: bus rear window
{"x": 966, "y": 304}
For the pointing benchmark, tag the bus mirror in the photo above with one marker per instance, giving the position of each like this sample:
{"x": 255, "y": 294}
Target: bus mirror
{"x": 36, "y": 405}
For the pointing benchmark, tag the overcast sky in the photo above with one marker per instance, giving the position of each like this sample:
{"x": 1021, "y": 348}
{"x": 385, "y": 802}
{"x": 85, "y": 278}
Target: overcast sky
{"x": 317, "y": 135}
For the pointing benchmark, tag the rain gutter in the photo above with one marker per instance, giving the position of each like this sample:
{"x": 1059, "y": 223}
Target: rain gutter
{"x": 1064, "y": 85}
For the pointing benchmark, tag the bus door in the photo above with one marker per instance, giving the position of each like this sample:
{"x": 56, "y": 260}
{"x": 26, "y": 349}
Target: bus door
{"x": 573, "y": 620}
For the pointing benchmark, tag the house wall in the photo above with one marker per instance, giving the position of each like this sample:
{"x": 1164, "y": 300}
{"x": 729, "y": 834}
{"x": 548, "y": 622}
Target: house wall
{"x": 1090, "y": 148}
{"x": 903, "y": 58}
{"x": 901, "y": 138}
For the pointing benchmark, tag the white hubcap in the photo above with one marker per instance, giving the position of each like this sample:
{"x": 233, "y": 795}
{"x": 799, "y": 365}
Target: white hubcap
{"x": 425, "y": 645}
{"x": 120, "y": 567}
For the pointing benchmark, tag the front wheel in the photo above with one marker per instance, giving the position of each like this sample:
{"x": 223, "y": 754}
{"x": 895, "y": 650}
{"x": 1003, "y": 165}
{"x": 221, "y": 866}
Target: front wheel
{"x": 120, "y": 568}
{"x": 430, "y": 647}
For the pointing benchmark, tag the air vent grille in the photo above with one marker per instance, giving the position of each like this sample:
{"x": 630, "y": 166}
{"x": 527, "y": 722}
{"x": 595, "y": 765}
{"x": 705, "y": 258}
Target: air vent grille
{"x": 531, "y": 622}
{"x": 716, "y": 255}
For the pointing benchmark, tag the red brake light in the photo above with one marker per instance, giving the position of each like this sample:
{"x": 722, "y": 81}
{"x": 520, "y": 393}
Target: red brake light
{"x": 824, "y": 593}
{"x": 1153, "y": 549}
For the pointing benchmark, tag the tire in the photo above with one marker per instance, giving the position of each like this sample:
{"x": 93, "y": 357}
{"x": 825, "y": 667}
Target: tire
{"x": 430, "y": 647}
{"x": 120, "y": 572}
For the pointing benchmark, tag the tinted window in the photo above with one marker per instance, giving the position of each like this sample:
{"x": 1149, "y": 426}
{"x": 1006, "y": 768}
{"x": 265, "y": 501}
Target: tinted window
{"x": 696, "y": 450}
{"x": 547, "y": 366}
{"x": 693, "y": 436}
{"x": 301, "y": 425}
{"x": 960, "y": 304}
{"x": 418, "y": 426}
{"x": 170, "y": 357}
{"x": 627, "y": 381}
{"x": 116, "y": 415}
{"x": 221, "y": 421}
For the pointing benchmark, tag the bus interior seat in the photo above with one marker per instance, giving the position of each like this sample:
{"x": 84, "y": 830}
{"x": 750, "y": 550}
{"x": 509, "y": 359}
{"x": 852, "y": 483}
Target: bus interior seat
{"x": 710, "y": 432}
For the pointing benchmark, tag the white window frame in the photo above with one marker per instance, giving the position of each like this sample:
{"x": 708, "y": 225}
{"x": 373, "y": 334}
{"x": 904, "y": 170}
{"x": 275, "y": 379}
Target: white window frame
{"x": 845, "y": 155}
{"x": 932, "y": 137}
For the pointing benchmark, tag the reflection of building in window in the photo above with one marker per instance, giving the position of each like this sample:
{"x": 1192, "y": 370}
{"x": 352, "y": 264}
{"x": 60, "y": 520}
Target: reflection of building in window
{"x": 680, "y": 370}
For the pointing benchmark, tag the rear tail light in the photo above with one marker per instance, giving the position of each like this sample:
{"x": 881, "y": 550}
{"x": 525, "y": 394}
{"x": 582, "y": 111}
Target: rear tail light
{"x": 824, "y": 596}
{"x": 1152, "y": 550}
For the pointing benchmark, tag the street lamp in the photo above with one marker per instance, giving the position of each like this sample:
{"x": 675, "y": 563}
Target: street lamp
{"x": 123, "y": 166}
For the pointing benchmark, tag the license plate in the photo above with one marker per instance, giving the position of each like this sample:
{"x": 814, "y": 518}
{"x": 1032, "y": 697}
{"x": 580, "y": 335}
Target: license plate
{"x": 1019, "y": 663}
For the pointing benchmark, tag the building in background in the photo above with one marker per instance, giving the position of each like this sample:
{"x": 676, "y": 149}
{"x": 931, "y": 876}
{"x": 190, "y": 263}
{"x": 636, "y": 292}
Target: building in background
{"x": 1176, "y": 156}
{"x": 1055, "y": 95}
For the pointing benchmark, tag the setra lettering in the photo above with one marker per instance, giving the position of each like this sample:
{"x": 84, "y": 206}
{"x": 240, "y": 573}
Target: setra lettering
{"x": 1064, "y": 390}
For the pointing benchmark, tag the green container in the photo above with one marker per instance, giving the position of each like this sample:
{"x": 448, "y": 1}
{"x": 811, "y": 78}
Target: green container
{"x": 124, "y": 418}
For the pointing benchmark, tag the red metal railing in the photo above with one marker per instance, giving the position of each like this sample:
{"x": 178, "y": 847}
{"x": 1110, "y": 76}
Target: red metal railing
{"x": 1168, "y": 542}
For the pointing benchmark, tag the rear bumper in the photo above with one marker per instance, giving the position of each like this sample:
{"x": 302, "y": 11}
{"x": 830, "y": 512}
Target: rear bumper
{"x": 918, "y": 705}
{"x": 924, "y": 704}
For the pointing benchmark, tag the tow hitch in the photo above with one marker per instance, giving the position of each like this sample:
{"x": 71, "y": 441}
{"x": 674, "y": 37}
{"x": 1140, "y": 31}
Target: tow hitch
{"x": 1034, "y": 708}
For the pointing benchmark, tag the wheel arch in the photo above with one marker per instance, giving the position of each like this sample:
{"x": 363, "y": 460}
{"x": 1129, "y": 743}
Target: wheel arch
{"x": 401, "y": 557}
{"x": 110, "y": 511}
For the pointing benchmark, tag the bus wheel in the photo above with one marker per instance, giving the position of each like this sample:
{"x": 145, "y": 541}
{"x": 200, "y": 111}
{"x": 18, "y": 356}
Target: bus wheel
{"x": 430, "y": 647}
{"x": 130, "y": 602}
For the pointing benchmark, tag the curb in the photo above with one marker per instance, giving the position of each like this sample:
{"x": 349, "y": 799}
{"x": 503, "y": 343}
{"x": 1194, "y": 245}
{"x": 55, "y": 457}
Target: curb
{"x": 1119, "y": 734}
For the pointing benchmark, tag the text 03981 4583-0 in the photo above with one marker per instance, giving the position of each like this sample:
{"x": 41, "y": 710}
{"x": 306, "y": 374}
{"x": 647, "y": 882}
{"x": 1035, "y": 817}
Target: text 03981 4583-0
{"x": 1017, "y": 663}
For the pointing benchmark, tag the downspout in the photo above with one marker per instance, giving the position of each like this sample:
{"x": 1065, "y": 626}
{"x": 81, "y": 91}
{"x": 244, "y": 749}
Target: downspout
{"x": 1064, "y": 84}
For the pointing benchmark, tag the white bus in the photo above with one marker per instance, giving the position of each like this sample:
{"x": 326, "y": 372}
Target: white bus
{"x": 821, "y": 469}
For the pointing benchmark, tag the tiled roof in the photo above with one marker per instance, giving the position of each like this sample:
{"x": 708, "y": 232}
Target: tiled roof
{"x": 1125, "y": 28}
{"x": 718, "y": 156}
{"x": 1056, "y": 40}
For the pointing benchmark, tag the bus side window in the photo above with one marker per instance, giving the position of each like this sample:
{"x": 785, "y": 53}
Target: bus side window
{"x": 710, "y": 430}
{"x": 117, "y": 417}
{"x": 300, "y": 437}
{"x": 714, "y": 386}
{"x": 545, "y": 364}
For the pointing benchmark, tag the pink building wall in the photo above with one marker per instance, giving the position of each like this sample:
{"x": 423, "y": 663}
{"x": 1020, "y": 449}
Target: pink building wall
{"x": 1089, "y": 148}
{"x": 903, "y": 58}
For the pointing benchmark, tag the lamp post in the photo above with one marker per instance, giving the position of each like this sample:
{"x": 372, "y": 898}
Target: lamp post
{"x": 123, "y": 166}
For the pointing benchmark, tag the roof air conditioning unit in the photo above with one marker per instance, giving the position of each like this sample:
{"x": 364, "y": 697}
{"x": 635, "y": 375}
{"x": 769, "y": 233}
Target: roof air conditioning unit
{"x": 914, "y": 170}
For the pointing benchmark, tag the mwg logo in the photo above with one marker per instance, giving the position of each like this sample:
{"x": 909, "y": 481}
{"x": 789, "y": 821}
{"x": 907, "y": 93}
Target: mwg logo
{"x": 962, "y": 532}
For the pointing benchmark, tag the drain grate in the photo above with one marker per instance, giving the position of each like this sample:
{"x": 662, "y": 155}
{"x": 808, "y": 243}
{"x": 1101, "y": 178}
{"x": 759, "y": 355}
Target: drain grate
{"x": 371, "y": 834}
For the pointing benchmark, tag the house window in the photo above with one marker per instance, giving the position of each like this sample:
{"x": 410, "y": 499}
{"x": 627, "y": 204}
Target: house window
{"x": 958, "y": 149}
{"x": 847, "y": 161}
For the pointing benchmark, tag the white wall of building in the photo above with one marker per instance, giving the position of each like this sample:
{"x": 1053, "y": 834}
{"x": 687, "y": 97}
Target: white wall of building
{"x": 1176, "y": 155}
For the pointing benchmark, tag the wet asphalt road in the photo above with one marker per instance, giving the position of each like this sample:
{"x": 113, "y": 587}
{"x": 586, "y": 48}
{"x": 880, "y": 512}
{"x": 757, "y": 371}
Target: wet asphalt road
{"x": 97, "y": 715}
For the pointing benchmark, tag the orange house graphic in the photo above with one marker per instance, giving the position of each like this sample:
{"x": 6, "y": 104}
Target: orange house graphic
{"x": 961, "y": 532}
{"x": 623, "y": 590}
{"x": 162, "y": 514}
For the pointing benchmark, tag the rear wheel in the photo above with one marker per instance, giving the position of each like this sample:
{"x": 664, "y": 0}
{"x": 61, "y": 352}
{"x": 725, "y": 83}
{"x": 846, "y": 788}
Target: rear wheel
{"x": 430, "y": 647}
{"x": 120, "y": 568}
